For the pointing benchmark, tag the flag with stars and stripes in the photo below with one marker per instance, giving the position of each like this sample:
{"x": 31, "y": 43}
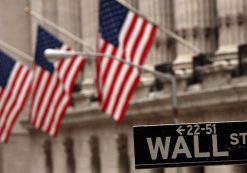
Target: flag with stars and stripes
{"x": 15, "y": 85}
{"x": 128, "y": 36}
{"x": 53, "y": 84}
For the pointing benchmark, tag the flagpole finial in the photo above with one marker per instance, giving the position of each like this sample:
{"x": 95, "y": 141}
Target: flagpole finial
{"x": 27, "y": 10}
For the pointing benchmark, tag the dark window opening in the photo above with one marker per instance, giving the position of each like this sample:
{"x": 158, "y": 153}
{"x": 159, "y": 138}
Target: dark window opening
{"x": 69, "y": 149}
{"x": 48, "y": 156}
{"x": 123, "y": 157}
{"x": 95, "y": 154}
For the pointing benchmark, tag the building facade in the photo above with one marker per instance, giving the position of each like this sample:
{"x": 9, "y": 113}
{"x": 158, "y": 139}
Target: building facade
{"x": 90, "y": 141}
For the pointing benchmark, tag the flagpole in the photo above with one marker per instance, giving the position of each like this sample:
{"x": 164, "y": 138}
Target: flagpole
{"x": 15, "y": 50}
{"x": 163, "y": 29}
{"x": 163, "y": 76}
{"x": 58, "y": 28}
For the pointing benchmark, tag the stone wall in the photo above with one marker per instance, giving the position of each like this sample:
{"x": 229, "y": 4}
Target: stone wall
{"x": 214, "y": 26}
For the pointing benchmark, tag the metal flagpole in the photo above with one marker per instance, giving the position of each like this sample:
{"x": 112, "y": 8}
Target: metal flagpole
{"x": 15, "y": 50}
{"x": 58, "y": 28}
{"x": 164, "y": 77}
{"x": 163, "y": 29}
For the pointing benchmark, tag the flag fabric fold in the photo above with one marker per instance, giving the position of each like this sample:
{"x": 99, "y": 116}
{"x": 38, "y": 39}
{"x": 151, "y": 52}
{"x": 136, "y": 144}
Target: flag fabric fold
{"x": 128, "y": 36}
{"x": 52, "y": 85}
{"x": 15, "y": 86}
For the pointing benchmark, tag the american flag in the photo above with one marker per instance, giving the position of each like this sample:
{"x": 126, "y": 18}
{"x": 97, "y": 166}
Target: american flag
{"x": 128, "y": 36}
{"x": 15, "y": 85}
{"x": 53, "y": 84}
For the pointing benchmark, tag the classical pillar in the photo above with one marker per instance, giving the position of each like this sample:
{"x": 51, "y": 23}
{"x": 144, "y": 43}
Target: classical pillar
{"x": 61, "y": 12}
{"x": 89, "y": 32}
{"x": 225, "y": 169}
{"x": 59, "y": 156}
{"x": 161, "y": 12}
{"x": 231, "y": 25}
{"x": 65, "y": 14}
{"x": 15, "y": 26}
{"x": 171, "y": 170}
{"x": 195, "y": 21}
{"x": 69, "y": 19}
{"x": 49, "y": 11}
{"x": 36, "y": 6}
{"x": 110, "y": 154}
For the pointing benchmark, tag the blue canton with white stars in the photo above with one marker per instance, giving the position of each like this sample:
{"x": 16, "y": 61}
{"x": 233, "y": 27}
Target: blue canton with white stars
{"x": 6, "y": 66}
{"x": 112, "y": 17}
{"x": 45, "y": 40}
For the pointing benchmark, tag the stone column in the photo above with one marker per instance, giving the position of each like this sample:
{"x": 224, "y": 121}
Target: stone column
{"x": 15, "y": 30}
{"x": 69, "y": 19}
{"x": 225, "y": 169}
{"x": 59, "y": 156}
{"x": 50, "y": 12}
{"x": 195, "y": 21}
{"x": 160, "y": 12}
{"x": 36, "y": 6}
{"x": 82, "y": 150}
{"x": 15, "y": 27}
{"x": 89, "y": 31}
{"x": 171, "y": 170}
{"x": 231, "y": 25}
{"x": 65, "y": 14}
{"x": 110, "y": 154}
{"x": 45, "y": 8}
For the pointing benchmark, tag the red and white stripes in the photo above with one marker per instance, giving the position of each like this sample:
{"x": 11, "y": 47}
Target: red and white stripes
{"x": 52, "y": 93}
{"x": 49, "y": 101}
{"x": 69, "y": 69}
{"x": 13, "y": 98}
{"x": 117, "y": 81}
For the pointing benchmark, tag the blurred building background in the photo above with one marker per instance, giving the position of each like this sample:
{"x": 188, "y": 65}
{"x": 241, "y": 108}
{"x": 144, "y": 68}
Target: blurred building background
{"x": 89, "y": 141}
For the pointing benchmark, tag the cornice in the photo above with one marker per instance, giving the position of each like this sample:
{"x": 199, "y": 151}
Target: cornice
{"x": 191, "y": 103}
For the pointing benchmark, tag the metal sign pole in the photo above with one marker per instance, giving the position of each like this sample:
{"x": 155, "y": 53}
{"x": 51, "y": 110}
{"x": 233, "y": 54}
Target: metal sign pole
{"x": 193, "y": 144}
{"x": 164, "y": 77}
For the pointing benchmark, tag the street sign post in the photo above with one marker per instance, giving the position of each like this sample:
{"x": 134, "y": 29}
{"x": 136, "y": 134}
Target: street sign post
{"x": 190, "y": 144}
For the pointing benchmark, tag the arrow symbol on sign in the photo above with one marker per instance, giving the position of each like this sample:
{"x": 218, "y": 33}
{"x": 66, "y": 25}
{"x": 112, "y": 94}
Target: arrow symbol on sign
{"x": 180, "y": 130}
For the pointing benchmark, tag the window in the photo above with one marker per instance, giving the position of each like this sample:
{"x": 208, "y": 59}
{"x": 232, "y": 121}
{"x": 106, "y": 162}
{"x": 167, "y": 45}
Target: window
{"x": 95, "y": 154}
{"x": 69, "y": 149}
{"x": 123, "y": 157}
{"x": 48, "y": 156}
